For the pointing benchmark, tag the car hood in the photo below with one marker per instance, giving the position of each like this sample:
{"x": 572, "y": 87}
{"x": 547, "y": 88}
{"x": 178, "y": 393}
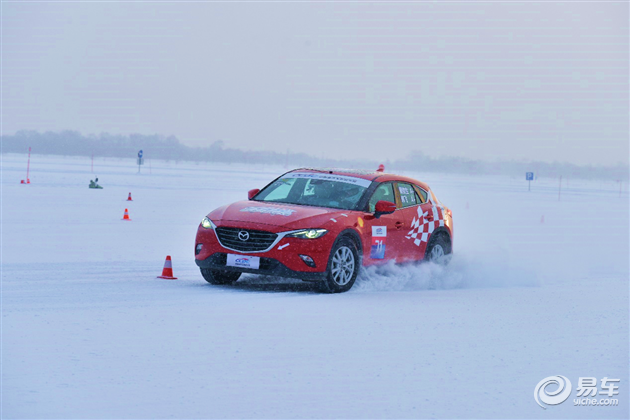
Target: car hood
{"x": 280, "y": 215}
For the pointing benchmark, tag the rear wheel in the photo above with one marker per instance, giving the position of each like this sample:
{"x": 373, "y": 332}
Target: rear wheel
{"x": 343, "y": 267}
{"x": 219, "y": 276}
{"x": 438, "y": 250}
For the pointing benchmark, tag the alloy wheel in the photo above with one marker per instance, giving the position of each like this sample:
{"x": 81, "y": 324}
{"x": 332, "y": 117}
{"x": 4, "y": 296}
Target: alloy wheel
{"x": 342, "y": 266}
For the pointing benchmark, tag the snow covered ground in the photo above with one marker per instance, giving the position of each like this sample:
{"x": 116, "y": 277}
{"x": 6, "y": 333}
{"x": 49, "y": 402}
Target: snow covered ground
{"x": 89, "y": 332}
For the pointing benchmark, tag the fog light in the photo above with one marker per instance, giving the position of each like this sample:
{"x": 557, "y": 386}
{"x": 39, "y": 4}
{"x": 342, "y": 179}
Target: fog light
{"x": 198, "y": 249}
{"x": 308, "y": 260}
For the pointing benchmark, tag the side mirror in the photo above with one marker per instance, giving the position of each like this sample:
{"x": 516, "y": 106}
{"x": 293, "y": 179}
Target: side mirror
{"x": 384, "y": 207}
{"x": 252, "y": 193}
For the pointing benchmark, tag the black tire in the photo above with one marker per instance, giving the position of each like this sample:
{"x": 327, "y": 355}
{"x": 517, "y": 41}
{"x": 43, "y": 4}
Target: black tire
{"x": 438, "y": 241}
{"x": 341, "y": 276}
{"x": 219, "y": 276}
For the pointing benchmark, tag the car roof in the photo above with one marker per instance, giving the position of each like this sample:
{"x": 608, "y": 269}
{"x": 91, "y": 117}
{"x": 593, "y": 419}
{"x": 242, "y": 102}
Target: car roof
{"x": 365, "y": 174}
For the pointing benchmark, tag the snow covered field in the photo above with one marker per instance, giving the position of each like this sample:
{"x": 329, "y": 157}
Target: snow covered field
{"x": 89, "y": 332}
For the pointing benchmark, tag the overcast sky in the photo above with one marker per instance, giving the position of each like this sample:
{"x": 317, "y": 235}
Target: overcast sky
{"x": 540, "y": 81}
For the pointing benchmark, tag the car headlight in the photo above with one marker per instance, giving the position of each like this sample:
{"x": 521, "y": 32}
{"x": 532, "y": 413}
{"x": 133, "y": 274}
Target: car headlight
{"x": 207, "y": 223}
{"x": 308, "y": 233}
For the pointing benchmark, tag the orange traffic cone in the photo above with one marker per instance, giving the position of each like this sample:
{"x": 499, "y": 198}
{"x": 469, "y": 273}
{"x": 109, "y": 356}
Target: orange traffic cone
{"x": 126, "y": 216}
{"x": 129, "y": 198}
{"x": 167, "y": 271}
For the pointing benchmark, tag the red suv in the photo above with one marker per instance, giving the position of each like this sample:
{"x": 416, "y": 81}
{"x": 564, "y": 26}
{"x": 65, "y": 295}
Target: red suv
{"x": 323, "y": 225}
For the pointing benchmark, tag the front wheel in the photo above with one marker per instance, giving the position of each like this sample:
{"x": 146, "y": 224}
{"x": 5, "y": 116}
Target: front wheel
{"x": 343, "y": 267}
{"x": 219, "y": 276}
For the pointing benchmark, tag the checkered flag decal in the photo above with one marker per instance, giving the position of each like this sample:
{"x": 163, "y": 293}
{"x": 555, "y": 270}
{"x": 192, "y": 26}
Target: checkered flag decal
{"x": 421, "y": 228}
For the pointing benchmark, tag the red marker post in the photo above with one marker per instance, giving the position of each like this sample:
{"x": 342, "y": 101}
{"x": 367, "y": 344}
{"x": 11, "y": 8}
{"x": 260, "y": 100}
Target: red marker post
{"x": 28, "y": 166}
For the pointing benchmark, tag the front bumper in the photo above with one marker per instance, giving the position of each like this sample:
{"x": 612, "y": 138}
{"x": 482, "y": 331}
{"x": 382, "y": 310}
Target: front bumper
{"x": 282, "y": 259}
{"x": 268, "y": 267}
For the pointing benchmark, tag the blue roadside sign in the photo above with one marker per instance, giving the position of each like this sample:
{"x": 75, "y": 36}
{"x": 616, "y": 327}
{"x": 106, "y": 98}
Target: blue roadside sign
{"x": 529, "y": 176}
{"x": 140, "y": 154}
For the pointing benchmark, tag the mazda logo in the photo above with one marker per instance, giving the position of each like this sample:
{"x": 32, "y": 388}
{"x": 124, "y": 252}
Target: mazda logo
{"x": 243, "y": 235}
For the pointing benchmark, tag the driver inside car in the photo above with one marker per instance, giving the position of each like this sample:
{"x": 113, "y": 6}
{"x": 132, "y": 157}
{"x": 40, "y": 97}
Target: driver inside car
{"x": 325, "y": 194}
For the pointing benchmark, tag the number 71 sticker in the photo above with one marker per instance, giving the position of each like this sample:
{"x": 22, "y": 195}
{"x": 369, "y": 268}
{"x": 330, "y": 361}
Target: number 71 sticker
{"x": 379, "y": 238}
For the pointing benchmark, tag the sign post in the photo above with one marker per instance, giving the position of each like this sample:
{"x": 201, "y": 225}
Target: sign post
{"x": 140, "y": 160}
{"x": 28, "y": 166}
{"x": 529, "y": 176}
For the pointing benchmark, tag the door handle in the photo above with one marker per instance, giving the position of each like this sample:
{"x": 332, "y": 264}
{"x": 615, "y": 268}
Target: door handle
{"x": 399, "y": 225}
{"x": 429, "y": 218}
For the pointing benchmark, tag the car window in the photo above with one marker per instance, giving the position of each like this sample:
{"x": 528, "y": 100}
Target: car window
{"x": 309, "y": 189}
{"x": 280, "y": 189}
{"x": 314, "y": 189}
{"x": 408, "y": 195}
{"x": 383, "y": 192}
{"x": 422, "y": 194}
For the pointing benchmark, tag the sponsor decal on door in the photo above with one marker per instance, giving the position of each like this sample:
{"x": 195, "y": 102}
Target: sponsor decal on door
{"x": 379, "y": 238}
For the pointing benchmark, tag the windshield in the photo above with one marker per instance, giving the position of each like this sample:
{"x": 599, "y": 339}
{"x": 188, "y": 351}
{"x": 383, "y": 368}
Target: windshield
{"x": 313, "y": 189}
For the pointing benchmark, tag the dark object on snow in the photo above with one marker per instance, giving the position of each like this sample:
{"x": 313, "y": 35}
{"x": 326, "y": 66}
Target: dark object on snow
{"x": 94, "y": 184}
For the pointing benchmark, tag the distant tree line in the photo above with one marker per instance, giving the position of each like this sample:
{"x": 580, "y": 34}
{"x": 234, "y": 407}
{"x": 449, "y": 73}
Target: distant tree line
{"x": 73, "y": 143}
{"x": 419, "y": 161}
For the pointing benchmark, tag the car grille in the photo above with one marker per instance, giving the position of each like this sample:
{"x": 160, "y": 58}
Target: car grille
{"x": 258, "y": 240}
